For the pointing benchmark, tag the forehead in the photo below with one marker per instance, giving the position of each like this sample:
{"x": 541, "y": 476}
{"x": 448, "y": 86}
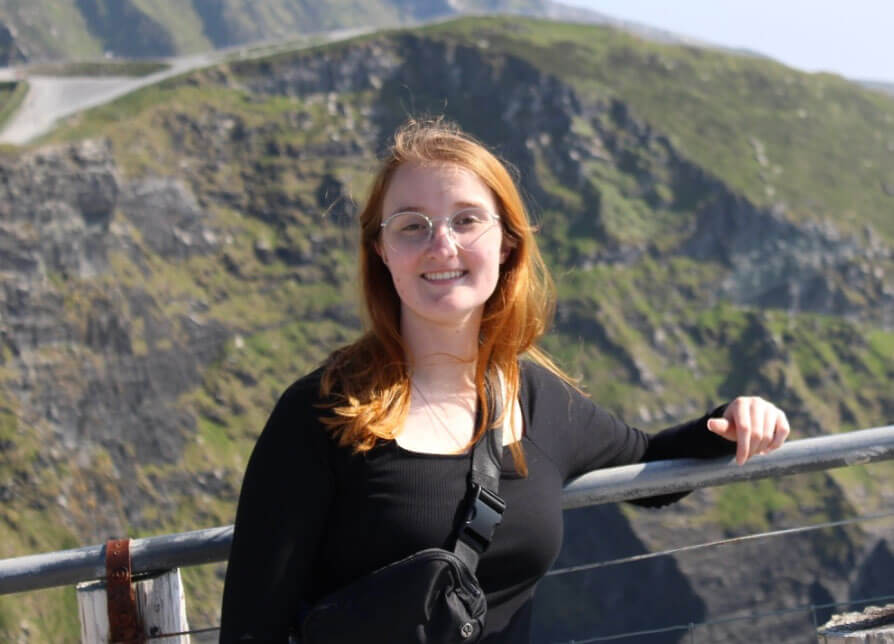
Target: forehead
{"x": 433, "y": 186}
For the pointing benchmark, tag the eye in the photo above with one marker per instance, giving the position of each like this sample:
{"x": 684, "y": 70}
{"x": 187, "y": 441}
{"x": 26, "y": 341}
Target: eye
{"x": 409, "y": 224}
{"x": 468, "y": 218}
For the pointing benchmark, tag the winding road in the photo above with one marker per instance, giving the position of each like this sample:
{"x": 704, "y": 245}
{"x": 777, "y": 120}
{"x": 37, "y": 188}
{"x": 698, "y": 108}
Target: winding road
{"x": 51, "y": 98}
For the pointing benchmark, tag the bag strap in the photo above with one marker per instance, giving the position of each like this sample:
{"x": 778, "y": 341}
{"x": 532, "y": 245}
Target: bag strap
{"x": 484, "y": 507}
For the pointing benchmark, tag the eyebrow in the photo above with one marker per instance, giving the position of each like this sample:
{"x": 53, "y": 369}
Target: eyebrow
{"x": 457, "y": 205}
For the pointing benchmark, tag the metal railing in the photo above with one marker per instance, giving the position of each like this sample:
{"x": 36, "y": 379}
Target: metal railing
{"x": 69, "y": 567}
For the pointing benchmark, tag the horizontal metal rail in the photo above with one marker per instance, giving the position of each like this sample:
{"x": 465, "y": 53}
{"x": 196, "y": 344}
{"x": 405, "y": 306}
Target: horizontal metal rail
{"x": 69, "y": 567}
{"x": 678, "y": 475}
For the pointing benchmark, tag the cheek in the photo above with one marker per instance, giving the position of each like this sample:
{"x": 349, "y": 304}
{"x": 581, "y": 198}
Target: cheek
{"x": 399, "y": 274}
{"x": 493, "y": 259}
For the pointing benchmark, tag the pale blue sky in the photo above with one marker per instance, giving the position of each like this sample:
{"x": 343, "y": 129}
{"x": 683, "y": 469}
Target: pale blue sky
{"x": 853, "y": 38}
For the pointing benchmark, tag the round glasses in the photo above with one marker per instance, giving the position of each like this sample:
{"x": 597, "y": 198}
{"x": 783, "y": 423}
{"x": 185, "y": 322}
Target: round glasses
{"x": 412, "y": 231}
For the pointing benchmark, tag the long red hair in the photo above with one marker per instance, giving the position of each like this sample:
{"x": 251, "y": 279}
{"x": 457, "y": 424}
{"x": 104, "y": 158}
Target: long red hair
{"x": 370, "y": 379}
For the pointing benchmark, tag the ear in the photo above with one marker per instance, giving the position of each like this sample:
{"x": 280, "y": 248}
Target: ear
{"x": 380, "y": 252}
{"x": 506, "y": 247}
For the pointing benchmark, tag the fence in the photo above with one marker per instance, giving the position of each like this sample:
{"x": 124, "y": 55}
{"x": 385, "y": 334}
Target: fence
{"x": 170, "y": 552}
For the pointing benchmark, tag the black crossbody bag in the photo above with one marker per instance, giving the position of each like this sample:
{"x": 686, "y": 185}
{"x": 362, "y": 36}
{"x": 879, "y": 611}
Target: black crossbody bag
{"x": 432, "y": 596}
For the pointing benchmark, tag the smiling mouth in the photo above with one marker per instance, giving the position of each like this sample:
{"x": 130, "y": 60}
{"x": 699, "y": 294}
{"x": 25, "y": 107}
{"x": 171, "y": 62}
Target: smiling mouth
{"x": 443, "y": 276}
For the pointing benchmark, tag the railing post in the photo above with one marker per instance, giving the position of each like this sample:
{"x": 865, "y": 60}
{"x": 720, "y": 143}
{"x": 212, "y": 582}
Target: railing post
{"x": 161, "y": 605}
{"x": 119, "y": 609}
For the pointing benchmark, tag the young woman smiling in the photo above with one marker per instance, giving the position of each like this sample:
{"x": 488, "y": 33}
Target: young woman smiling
{"x": 365, "y": 460}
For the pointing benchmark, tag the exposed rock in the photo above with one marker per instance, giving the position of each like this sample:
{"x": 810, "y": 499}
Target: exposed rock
{"x": 56, "y": 204}
{"x": 347, "y": 69}
{"x": 657, "y": 583}
{"x": 168, "y": 217}
{"x": 873, "y": 576}
{"x": 333, "y": 199}
{"x": 777, "y": 264}
{"x": 874, "y": 624}
{"x": 11, "y": 52}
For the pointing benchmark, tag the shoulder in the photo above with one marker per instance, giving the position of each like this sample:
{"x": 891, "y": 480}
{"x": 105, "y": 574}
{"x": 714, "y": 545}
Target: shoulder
{"x": 538, "y": 382}
{"x": 295, "y": 418}
{"x": 547, "y": 400}
{"x": 304, "y": 390}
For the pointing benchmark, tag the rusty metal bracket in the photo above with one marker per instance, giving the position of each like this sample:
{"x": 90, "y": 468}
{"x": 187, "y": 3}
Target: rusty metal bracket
{"x": 124, "y": 620}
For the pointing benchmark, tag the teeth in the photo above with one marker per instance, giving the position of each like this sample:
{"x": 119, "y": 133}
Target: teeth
{"x": 447, "y": 275}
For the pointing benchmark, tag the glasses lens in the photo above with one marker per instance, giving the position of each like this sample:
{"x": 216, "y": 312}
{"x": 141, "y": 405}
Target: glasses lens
{"x": 412, "y": 231}
{"x": 407, "y": 231}
{"x": 469, "y": 225}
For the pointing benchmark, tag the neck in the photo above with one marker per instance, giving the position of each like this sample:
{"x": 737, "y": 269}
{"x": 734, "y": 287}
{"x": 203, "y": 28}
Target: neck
{"x": 442, "y": 355}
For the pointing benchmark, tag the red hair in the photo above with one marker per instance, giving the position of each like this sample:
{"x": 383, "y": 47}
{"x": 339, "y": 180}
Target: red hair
{"x": 370, "y": 379}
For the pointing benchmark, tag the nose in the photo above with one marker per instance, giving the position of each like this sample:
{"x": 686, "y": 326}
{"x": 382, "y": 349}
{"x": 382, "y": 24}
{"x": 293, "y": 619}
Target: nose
{"x": 442, "y": 236}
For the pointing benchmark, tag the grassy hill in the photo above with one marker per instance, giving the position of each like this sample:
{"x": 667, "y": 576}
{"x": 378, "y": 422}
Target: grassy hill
{"x": 716, "y": 225}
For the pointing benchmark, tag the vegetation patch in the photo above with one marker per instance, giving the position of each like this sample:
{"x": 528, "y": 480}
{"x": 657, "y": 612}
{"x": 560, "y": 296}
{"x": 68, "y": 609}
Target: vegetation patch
{"x": 99, "y": 68}
{"x": 11, "y": 97}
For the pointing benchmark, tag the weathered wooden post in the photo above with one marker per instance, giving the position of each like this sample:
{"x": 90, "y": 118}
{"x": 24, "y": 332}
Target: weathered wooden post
{"x": 121, "y": 609}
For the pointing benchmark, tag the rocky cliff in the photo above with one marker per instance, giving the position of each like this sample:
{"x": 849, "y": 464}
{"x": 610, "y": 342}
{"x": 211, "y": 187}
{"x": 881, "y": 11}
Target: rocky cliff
{"x": 170, "y": 263}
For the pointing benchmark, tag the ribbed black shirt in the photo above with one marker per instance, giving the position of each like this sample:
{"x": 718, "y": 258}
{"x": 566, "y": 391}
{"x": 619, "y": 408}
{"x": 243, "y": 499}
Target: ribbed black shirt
{"x": 312, "y": 516}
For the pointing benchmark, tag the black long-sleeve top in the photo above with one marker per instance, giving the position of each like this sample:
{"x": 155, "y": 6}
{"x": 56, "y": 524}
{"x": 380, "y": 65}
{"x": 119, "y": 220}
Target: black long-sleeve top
{"x": 314, "y": 516}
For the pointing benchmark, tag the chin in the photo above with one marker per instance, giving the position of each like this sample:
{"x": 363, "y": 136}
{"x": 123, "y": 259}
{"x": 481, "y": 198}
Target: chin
{"x": 448, "y": 312}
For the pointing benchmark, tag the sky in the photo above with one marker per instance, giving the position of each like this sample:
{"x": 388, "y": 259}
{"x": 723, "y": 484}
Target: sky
{"x": 853, "y": 38}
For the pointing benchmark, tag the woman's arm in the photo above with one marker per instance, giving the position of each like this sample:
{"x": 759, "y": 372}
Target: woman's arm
{"x": 585, "y": 436}
{"x": 582, "y": 436}
{"x": 280, "y": 519}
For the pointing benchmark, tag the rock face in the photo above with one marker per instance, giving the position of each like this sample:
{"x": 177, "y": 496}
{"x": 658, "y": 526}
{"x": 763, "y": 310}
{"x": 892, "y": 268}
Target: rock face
{"x": 56, "y": 210}
{"x": 148, "y": 320}
{"x": 617, "y": 595}
{"x": 68, "y": 326}
{"x": 780, "y": 265}
{"x": 10, "y": 51}
{"x": 168, "y": 218}
{"x": 874, "y": 624}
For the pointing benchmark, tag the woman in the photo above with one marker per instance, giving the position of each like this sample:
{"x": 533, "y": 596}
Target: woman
{"x": 364, "y": 461}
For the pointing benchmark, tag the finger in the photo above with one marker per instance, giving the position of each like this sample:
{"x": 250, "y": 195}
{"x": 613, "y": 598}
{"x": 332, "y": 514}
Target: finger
{"x": 722, "y": 427}
{"x": 742, "y": 420}
{"x": 762, "y": 432}
{"x": 782, "y": 431}
{"x": 754, "y": 422}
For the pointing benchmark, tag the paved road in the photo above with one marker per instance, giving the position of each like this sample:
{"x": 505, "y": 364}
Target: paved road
{"x": 51, "y": 98}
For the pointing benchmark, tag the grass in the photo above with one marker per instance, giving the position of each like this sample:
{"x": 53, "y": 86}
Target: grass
{"x": 180, "y": 21}
{"x": 27, "y": 526}
{"x": 40, "y": 616}
{"x": 11, "y": 97}
{"x": 750, "y": 507}
{"x": 56, "y": 31}
{"x": 98, "y": 68}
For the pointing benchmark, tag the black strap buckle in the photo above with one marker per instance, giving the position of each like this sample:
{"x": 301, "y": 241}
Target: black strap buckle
{"x": 483, "y": 516}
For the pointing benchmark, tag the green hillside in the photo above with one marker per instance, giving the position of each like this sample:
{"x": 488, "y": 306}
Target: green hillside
{"x": 817, "y": 144}
{"x": 716, "y": 225}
